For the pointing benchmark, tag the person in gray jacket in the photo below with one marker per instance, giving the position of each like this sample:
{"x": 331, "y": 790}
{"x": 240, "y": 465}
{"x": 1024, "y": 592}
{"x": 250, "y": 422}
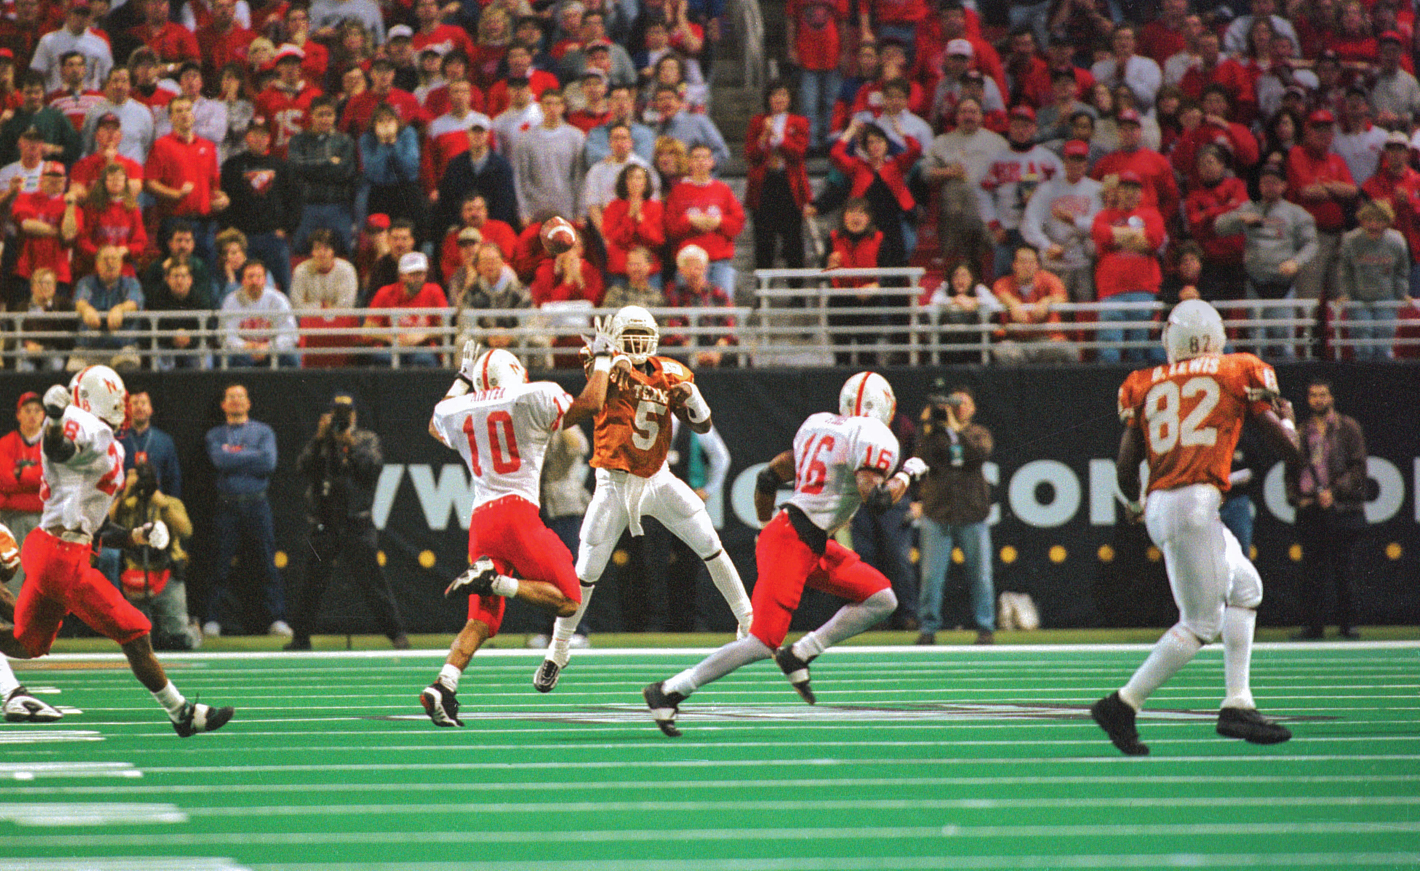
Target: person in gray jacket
{"x": 1375, "y": 268}
{"x": 1280, "y": 240}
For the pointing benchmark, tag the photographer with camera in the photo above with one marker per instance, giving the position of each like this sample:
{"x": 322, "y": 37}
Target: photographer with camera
{"x": 153, "y": 578}
{"x": 341, "y": 466}
{"x": 955, "y": 501}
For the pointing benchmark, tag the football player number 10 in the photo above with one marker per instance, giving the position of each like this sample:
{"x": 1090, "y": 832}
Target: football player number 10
{"x": 502, "y": 444}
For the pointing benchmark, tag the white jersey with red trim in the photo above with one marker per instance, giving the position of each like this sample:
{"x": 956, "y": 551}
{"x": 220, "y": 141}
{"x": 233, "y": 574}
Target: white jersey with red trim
{"x": 502, "y": 435}
{"x": 828, "y": 452}
{"x": 78, "y": 492}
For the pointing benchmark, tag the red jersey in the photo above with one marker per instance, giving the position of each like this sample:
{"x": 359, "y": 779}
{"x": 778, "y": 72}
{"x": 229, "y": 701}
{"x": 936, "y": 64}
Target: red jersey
{"x": 444, "y": 39}
{"x": 1403, "y": 194}
{"x": 87, "y": 170}
{"x": 712, "y": 198}
{"x": 818, "y": 26}
{"x": 356, "y": 119}
{"x": 392, "y": 296}
{"x": 1122, "y": 270}
{"x": 622, "y": 234}
{"x": 41, "y": 251}
{"x": 1303, "y": 170}
{"x": 116, "y": 225}
{"x": 1160, "y": 189}
{"x": 547, "y": 286}
{"x": 74, "y": 105}
{"x": 21, "y": 472}
{"x": 1203, "y": 206}
{"x": 855, "y": 253}
{"x": 1191, "y": 413}
{"x": 173, "y": 162}
{"x": 497, "y": 232}
{"x": 287, "y": 112}
{"x": 633, "y": 429}
{"x": 221, "y": 48}
{"x": 538, "y": 81}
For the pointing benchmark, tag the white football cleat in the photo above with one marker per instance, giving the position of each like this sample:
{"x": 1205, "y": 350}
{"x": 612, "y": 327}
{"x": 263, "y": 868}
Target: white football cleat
{"x": 21, "y": 707}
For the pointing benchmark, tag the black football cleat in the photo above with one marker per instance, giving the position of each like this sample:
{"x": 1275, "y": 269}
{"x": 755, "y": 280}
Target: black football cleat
{"x": 1116, "y": 718}
{"x": 197, "y": 717}
{"x": 545, "y": 678}
{"x": 1251, "y": 726}
{"x": 664, "y": 707}
{"x": 797, "y": 670}
{"x": 477, "y": 581}
{"x": 441, "y": 704}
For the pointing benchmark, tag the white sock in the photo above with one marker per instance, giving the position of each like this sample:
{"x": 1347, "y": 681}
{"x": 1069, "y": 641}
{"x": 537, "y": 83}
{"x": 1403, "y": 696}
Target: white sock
{"x": 1238, "y": 626}
{"x": 449, "y": 676}
{"x": 1171, "y": 653}
{"x": 850, "y": 620}
{"x": 505, "y": 586}
{"x": 8, "y": 682}
{"x": 808, "y": 647}
{"x": 727, "y": 581}
{"x": 718, "y": 664}
{"x": 171, "y": 700}
{"x": 564, "y": 627}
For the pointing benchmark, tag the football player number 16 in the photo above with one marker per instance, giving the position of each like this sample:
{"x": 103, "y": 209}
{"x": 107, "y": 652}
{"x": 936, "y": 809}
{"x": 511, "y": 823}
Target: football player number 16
{"x": 813, "y": 472}
{"x": 1164, "y": 410}
{"x": 502, "y": 444}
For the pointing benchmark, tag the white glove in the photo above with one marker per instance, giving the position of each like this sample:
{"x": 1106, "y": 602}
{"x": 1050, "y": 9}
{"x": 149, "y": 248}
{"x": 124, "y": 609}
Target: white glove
{"x": 157, "y": 534}
{"x": 471, "y": 352}
{"x": 603, "y": 343}
{"x": 914, "y": 468}
{"x": 56, "y": 399}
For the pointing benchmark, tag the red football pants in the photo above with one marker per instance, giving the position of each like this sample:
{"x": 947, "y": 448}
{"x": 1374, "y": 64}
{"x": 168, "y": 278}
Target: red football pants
{"x": 59, "y": 581}
{"x": 510, "y": 531}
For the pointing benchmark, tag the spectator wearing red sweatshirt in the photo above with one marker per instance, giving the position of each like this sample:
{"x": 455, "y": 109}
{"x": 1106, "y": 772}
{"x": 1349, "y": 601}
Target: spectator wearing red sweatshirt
{"x": 111, "y": 217}
{"x": 1128, "y": 237}
{"x": 1153, "y": 169}
{"x": 21, "y": 473}
{"x": 1319, "y": 181}
{"x": 702, "y": 210}
{"x": 1217, "y": 193}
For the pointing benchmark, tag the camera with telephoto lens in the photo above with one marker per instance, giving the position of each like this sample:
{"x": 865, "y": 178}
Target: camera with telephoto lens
{"x": 940, "y": 403}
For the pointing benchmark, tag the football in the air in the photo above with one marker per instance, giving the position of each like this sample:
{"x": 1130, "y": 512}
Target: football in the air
{"x": 558, "y": 235}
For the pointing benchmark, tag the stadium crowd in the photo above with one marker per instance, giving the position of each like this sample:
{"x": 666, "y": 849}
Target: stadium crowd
{"x": 154, "y": 153}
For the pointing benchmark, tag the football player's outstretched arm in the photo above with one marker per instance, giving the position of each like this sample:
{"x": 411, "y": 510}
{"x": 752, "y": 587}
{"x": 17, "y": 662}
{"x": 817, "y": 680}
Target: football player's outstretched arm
{"x": 602, "y": 349}
{"x": 780, "y": 471}
{"x": 1126, "y": 468}
{"x": 1279, "y": 430}
{"x": 56, "y": 445}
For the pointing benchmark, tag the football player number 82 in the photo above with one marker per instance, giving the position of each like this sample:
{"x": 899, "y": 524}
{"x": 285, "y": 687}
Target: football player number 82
{"x": 502, "y": 444}
{"x": 1164, "y": 406}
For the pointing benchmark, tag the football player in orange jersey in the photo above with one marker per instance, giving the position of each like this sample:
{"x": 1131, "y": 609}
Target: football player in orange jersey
{"x": 630, "y": 443}
{"x": 1183, "y": 419}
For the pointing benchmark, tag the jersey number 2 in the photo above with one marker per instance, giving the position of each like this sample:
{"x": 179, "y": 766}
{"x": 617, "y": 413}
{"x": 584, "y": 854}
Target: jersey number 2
{"x": 504, "y": 450}
{"x": 1164, "y": 408}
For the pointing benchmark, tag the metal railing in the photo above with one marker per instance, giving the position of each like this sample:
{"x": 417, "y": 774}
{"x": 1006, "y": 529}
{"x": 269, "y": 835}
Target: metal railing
{"x": 798, "y": 319}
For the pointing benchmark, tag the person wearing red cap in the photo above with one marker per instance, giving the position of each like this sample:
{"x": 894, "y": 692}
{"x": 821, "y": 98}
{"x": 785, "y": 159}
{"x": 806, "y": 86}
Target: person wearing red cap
{"x": 286, "y": 102}
{"x": 1319, "y": 181}
{"x": 1160, "y": 189}
{"x": 1128, "y": 236}
{"x": 1396, "y": 93}
{"x": 1059, "y": 219}
{"x": 21, "y": 473}
{"x": 49, "y": 222}
{"x": 1010, "y": 180}
{"x": 1397, "y": 185}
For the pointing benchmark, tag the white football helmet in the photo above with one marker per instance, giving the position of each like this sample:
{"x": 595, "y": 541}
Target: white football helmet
{"x": 867, "y": 394}
{"x": 634, "y": 331}
{"x": 99, "y": 390}
{"x": 498, "y": 368}
{"x": 1194, "y": 329}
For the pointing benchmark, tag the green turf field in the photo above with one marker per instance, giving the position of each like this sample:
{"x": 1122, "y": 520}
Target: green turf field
{"x": 915, "y": 758}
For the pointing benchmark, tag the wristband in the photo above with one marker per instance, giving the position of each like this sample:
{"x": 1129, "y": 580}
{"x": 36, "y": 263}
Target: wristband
{"x": 460, "y": 386}
{"x": 695, "y": 407}
{"x": 1288, "y": 425}
{"x": 767, "y": 482}
{"x": 601, "y": 364}
{"x": 906, "y": 479}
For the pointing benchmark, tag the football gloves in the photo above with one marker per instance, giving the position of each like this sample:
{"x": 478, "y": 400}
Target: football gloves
{"x": 56, "y": 399}
{"x": 914, "y": 468}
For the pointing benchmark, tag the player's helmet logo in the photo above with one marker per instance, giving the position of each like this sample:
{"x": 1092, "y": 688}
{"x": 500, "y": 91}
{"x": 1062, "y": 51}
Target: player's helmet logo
{"x": 99, "y": 390}
{"x": 867, "y": 394}
{"x": 635, "y": 333}
{"x": 498, "y": 368}
{"x": 1194, "y": 329}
